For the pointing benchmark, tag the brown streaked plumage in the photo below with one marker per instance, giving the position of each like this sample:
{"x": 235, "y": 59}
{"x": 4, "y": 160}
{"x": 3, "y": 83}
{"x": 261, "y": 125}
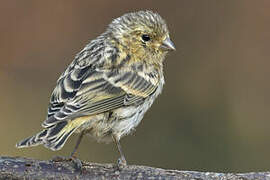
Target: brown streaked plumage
{"x": 110, "y": 84}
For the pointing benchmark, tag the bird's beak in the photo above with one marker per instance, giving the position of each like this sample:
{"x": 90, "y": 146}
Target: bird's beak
{"x": 168, "y": 45}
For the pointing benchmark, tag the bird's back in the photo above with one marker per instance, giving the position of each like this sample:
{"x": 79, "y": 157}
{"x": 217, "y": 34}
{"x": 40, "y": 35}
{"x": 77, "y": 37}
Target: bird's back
{"x": 110, "y": 84}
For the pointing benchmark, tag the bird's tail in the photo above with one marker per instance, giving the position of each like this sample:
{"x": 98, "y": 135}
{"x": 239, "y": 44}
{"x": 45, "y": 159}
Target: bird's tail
{"x": 53, "y": 137}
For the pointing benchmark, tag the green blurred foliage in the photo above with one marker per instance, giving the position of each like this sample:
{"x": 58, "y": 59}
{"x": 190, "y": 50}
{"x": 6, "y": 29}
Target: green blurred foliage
{"x": 213, "y": 114}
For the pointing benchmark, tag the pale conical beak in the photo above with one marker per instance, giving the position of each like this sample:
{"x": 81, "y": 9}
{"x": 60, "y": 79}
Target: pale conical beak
{"x": 168, "y": 45}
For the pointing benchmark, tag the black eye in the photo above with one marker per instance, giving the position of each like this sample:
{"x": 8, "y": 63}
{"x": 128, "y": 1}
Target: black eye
{"x": 145, "y": 37}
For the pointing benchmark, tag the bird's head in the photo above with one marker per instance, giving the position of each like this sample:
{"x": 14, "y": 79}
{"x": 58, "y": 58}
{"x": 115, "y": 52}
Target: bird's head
{"x": 143, "y": 34}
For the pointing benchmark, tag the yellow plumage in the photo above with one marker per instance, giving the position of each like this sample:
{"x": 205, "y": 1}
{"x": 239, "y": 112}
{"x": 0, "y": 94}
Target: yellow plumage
{"x": 110, "y": 84}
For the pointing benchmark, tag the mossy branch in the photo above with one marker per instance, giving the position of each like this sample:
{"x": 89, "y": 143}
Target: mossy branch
{"x": 24, "y": 168}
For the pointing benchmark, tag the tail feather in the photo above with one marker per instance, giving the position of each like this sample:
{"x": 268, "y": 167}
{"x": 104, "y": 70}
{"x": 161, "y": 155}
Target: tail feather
{"x": 58, "y": 142}
{"x": 60, "y": 132}
{"x": 53, "y": 138}
{"x": 33, "y": 140}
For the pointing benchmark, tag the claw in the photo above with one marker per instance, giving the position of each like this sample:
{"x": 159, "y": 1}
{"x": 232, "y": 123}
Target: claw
{"x": 59, "y": 159}
{"x": 121, "y": 163}
{"x": 77, "y": 163}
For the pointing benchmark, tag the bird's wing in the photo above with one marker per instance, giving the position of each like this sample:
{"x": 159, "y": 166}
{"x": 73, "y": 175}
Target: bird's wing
{"x": 71, "y": 79}
{"x": 85, "y": 91}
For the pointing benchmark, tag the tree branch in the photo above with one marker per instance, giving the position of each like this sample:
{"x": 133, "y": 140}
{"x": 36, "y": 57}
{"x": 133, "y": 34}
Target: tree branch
{"x": 23, "y": 168}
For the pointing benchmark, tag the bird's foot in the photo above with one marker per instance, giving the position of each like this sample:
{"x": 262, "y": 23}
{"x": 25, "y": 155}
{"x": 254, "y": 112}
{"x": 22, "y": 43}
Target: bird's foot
{"x": 60, "y": 158}
{"x": 77, "y": 163}
{"x": 121, "y": 163}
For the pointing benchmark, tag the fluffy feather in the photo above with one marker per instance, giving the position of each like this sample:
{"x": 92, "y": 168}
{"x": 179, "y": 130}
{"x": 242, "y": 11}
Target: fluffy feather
{"x": 110, "y": 84}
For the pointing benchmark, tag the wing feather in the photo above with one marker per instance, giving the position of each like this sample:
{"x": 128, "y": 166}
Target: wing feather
{"x": 84, "y": 89}
{"x": 102, "y": 95}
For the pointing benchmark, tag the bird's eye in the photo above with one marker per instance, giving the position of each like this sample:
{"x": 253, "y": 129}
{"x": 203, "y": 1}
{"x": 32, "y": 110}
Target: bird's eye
{"x": 145, "y": 37}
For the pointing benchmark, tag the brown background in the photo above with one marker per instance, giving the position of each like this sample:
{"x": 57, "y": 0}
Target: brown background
{"x": 213, "y": 114}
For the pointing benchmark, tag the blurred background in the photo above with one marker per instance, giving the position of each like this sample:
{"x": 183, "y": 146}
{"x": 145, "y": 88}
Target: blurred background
{"x": 214, "y": 112}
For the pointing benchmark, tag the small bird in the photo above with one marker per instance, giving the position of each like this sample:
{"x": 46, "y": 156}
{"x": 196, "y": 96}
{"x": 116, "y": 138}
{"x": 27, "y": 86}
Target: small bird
{"x": 110, "y": 84}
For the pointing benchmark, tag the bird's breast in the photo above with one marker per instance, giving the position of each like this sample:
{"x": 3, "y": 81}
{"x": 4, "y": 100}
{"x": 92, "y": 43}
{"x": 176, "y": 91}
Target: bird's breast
{"x": 129, "y": 117}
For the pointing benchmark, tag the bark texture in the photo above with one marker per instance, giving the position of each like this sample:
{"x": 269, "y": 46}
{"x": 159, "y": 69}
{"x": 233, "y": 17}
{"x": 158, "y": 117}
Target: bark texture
{"x": 24, "y": 168}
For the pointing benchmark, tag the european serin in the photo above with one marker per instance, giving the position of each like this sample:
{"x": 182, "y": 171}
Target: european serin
{"x": 110, "y": 84}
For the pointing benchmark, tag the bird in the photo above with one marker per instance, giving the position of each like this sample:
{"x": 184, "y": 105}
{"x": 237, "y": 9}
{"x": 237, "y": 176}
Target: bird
{"x": 110, "y": 84}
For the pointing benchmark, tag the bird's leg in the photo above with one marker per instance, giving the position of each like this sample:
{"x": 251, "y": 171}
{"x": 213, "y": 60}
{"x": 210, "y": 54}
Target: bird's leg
{"x": 76, "y": 161}
{"x": 77, "y": 144}
{"x": 122, "y": 160}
